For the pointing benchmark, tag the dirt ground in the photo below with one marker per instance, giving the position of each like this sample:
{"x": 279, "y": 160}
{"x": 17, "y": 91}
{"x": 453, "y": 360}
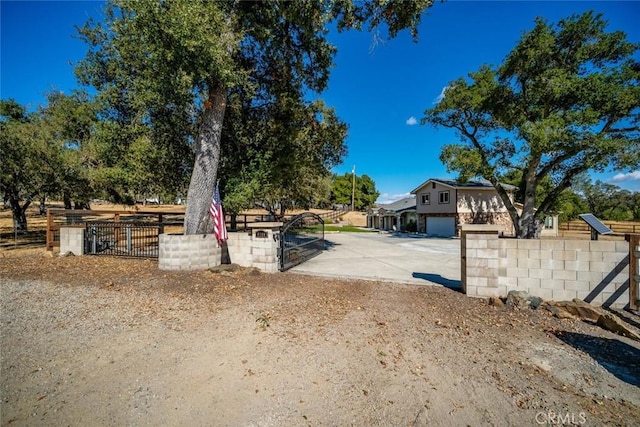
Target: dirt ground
{"x": 108, "y": 341}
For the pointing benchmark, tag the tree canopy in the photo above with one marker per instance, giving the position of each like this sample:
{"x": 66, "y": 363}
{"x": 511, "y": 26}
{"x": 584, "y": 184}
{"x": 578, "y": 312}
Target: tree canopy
{"x": 566, "y": 100}
{"x": 168, "y": 71}
{"x": 44, "y": 153}
{"x": 362, "y": 188}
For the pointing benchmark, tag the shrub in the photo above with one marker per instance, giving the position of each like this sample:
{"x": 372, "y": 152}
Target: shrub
{"x": 411, "y": 227}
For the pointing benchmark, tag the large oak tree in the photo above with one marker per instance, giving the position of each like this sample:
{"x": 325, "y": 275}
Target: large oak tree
{"x": 172, "y": 66}
{"x": 566, "y": 100}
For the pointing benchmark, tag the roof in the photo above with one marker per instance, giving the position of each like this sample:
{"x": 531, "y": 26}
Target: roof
{"x": 401, "y": 205}
{"x": 480, "y": 184}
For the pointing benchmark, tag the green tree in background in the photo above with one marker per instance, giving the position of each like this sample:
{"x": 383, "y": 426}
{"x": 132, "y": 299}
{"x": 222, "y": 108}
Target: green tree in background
{"x": 21, "y": 179}
{"x": 607, "y": 201}
{"x": 45, "y": 153}
{"x": 69, "y": 122}
{"x": 566, "y": 100}
{"x": 172, "y": 66}
{"x": 365, "y": 194}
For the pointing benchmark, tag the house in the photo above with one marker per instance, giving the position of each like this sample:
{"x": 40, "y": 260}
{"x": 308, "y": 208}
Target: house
{"x": 444, "y": 205}
{"x": 393, "y": 216}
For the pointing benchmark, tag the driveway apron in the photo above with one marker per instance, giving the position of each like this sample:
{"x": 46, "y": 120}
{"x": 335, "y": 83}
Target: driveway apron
{"x": 393, "y": 257}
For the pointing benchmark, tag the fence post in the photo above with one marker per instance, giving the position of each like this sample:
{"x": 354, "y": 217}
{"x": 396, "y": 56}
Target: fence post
{"x": 49, "y": 234}
{"x": 634, "y": 271}
{"x": 160, "y": 224}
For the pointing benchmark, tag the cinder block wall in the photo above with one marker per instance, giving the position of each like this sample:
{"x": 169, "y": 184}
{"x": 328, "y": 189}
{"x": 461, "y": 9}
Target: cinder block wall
{"x": 257, "y": 249}
{"x": 192, "y": 252}
{"x": 594, "y": 271}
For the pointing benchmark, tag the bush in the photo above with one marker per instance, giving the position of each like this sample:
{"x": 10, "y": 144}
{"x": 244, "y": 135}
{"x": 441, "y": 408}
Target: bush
{"x": 411, "y": 227}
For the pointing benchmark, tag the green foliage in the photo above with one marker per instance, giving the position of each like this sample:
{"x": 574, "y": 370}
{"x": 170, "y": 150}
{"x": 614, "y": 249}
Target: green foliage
{"x": 566, "y": 100}
{"x": 44, "y": 153}
{"x": 167, "y": 72}
{"x": 363, "y": 189}
{"x": 411, "y": 227}
{"x": 608, "y": 201}
{"x": 345, "y": 229}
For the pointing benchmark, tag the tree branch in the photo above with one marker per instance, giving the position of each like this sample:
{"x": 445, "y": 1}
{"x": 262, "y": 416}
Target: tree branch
{"x": 550, "y": 199}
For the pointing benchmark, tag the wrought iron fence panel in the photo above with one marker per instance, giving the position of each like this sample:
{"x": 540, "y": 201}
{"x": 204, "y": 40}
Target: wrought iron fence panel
{"x": 301, "y": 238}
{"x": 128, "y": 239}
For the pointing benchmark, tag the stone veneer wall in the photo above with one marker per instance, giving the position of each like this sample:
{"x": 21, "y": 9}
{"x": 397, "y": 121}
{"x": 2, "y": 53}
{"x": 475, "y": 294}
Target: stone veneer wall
{"x": 192, "y": 252}
{"x": 497, "y": 218}
{"x": 594, "y": 271}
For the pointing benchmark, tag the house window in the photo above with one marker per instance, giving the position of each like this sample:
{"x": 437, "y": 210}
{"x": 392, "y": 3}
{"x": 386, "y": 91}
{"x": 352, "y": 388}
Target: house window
{"x": 548, "y": 222}
{"x": 443, "y": 197}
{"x": 425, "y": 199}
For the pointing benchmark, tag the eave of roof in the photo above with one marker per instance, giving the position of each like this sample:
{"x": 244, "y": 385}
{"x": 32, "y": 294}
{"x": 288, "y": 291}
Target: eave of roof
{"x": 477, "y": 185}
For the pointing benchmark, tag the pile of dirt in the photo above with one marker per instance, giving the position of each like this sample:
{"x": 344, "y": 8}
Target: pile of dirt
{"x": 108, "y": 341}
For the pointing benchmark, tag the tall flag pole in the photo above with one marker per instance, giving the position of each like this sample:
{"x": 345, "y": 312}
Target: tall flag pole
{"x": 215, "y": 210}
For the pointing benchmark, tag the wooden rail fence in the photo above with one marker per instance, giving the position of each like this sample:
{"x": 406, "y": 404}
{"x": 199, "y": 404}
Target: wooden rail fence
{"x": 618, "y": 227}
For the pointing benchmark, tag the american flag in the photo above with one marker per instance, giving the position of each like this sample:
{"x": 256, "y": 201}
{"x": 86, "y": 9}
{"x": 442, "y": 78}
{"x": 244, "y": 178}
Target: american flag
{"x": 215, "y": 210}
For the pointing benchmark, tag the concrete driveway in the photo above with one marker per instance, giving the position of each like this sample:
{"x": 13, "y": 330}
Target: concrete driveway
{"x": 394, "y": 257}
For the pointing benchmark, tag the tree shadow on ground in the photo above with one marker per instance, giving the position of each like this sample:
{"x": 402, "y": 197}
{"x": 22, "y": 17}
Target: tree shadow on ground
{"x": 329, "y": 245}
{"x": 456, "y": 285}
{"x": 619, "y": 358}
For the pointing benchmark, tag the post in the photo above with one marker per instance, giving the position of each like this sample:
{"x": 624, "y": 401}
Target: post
{"x": 634, "y": 270}
{"x": 49, "y": 234}
{"x": 353, "y": 188}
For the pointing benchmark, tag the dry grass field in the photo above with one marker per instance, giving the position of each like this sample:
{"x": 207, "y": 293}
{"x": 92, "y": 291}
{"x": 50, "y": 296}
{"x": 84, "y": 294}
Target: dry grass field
{"x": 35, "y": 237}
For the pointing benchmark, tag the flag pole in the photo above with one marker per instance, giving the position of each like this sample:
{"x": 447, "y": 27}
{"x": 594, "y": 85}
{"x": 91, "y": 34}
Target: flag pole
{"x": 353, "y": 188}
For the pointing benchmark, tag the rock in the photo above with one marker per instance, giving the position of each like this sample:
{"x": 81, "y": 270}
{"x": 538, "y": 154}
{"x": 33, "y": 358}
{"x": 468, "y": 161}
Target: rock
{"x": 234, "y": 269}
{"x": 612, "y": 323}
{"x": 535, "y": 301}
{"x": 559, "y": 312}
{"x": 68, "y": 253}
{"x": 495, "y": 301}
{"x": 518, "y": 299}
{"x": 48, "y": 254}
{"x": 225, "y": 268}
{"x": 580, "y": 309}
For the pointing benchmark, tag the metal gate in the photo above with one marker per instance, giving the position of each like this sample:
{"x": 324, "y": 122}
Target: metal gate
{"x": 301, "y": 238}
{"x": 129, "y": 239}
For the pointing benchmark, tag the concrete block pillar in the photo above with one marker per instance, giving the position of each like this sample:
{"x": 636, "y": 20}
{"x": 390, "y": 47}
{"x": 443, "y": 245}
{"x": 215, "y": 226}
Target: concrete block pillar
{"x": 72, "y": 240}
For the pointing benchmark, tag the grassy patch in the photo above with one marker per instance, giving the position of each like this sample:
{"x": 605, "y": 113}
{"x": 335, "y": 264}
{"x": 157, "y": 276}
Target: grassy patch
{"x": 347, "y": 229}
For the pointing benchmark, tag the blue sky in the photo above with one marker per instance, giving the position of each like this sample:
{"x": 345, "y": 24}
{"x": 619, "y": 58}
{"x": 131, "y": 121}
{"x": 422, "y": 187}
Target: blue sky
{"x": 381, "y": 90}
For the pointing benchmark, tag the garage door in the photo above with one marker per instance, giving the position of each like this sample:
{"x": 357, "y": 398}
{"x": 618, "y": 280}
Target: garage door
{"x": 441, "y": 226}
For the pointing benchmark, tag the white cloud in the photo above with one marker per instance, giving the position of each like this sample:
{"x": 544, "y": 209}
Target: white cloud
{"x": 631, "y": 176}
{"x": 441, "y": 96}
{"x": 386, "y": 198}
{"x": 412, "y": 121}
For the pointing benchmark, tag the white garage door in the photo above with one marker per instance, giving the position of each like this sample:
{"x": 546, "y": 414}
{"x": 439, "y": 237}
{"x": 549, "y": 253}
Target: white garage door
{"x": 441, "y": 226}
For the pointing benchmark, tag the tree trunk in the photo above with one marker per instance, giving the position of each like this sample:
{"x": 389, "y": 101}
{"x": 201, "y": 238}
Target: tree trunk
{"x": 66, "y": 197}
{"x": 527, "y": 227}
{"x": 19, "y": 214}
{"x": 205, "y": 169}
{"x": 43, "y": 205}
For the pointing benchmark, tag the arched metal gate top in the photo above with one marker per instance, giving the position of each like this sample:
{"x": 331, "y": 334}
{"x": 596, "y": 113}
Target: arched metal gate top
{"x": 301, "y": 238}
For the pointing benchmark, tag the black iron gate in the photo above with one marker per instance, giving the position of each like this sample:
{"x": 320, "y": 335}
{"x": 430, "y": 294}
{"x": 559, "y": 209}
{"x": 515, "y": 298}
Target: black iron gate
{"x": 129, "y": 239}
{"x": 301, "y": 238}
